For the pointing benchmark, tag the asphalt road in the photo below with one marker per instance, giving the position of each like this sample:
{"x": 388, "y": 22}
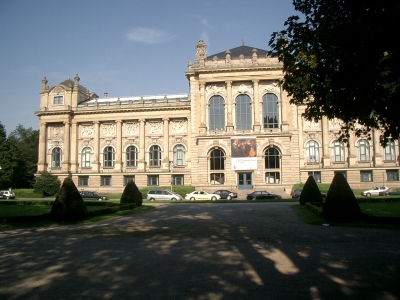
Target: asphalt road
{"x": 201, "y": 251}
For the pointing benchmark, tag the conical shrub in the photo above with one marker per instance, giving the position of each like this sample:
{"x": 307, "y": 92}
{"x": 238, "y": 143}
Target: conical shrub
{"x": 340, "y": 203}
{"x": 131, "y": 194}
{"x": 310, "y": 192}
{"x": 69, "y": 205}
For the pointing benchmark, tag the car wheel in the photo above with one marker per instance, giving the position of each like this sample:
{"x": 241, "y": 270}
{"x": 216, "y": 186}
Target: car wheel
{"x": 173, "y": 199}
{"x": 192, "y": 199}
{"x": 213, "y": 198}
{"x": 368, "y": 194}
{"x": 151, "y": 199}
{"x": 229, "y": 198}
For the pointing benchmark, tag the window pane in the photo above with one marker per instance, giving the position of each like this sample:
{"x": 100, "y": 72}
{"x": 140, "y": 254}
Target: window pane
{"x": 392, "y": 175}
{"x": 272, "y": 159}
{"x": 86, "y": 157}
{"x": 83, "y": 180}
{"x": 105, "y": 181}
{"x": 56, "y": 158}
{"x": 312, "y": 152}
{"x": 129, "y": 177}
{"x": 365, "y": 176}
{"x": 152, "y": 180}
{"x": 272, "y": 177}
{"x": 363, "y": 150}
{"x": 217, "y": 160}
{"x": 109, "y": 157}
{"x": 155, "y": 156}
{"x": 243, "y": 112}
{"x": 179, "y": 155}
{"x": 216, "y": 113}
{"x": 131, "y": 156}
{"x": 217, "y": 178}
{"x": 270, "y": 111}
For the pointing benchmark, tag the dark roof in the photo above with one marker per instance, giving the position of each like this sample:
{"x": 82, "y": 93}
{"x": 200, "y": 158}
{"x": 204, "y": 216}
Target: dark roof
{"x": 235, "y": 52}
{"x": 69, "y": 82}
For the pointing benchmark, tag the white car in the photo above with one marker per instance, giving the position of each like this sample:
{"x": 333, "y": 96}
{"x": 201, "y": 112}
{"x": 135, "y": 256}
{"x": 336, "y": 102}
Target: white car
{"x": 7, "y": 195}
{"x": 202, "y": 195}
{"x": 375, "y": 191}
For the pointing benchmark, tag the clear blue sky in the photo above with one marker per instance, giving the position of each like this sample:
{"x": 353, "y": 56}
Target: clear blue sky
{"x": 123, "y": 47}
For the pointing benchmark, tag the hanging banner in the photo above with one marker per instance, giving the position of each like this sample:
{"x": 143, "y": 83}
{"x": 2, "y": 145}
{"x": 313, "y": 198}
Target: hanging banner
{"x": 244, "y": 153}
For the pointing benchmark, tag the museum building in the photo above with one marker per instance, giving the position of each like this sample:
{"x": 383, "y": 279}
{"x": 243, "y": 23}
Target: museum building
{"x": 235, "y": 129}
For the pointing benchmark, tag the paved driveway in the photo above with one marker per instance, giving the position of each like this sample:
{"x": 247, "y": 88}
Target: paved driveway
{"x": 201, "y": 251}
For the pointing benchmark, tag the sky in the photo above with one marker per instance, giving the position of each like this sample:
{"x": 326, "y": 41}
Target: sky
{"x": 122, "y": 47}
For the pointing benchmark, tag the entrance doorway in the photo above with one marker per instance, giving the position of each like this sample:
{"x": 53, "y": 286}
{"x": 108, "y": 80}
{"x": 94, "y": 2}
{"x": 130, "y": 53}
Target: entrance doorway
{"x": 245, "y": 181}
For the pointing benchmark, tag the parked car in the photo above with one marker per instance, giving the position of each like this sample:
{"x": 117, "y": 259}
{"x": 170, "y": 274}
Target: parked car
{"x": 225, "y": 194}
{"x": 257, "y": 195}
{"x": 162, "y": 195}
{"x": 393, "y": 192}
{"x": 297, "y": 193}
{"x": 375, "y": 191}
{"x": 7, "y": 195}
{"x": 92, "y": 195}
{"x": 202, "y": 195}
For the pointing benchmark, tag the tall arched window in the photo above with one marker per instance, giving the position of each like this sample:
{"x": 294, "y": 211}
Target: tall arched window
{"x": 338, "y": 151}
{"x": 243, "y": 112}
{"x": 131, "y": 156}
{"x": 109, "y": 157}
{"x": 363, "y": 150}
{"x": 179, "y": 155}
{"x": 216, "y": 113}
{"x": 390, "y": 152}
{"x": 270, "y": 111}
{"x": 217, "y": 160}
{"x": 272, "y": 158}
{"x": 86, "y": 157}
{"x": 56, "y": 158}
{"x": 312, "y": 152}
{"x": 155, "y": 156}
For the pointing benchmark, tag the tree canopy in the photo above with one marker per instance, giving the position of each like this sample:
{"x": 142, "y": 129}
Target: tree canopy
{"x": 341, "y": 59}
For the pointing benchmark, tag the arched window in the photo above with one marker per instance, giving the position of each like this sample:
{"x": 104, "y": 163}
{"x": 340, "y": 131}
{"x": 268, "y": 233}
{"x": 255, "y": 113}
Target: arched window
{"x": 338, "y": 151}
{"x": 272, "y": 158}
{"x": 243, "y": 112}
{"x": 270, "y": 111}
{"x": 312, "y": 152}
{"x": 131, "y": 156}
{"x": 86, "y": 157}
{"x": 217, "y": 160}
{"x": 363, "y": 150}
{"x": 56, "y": 158}
{"x": 216, "y": 113}
{"x": 155, "y": 156}
{"x": 109, "y": 157}
{"x": 179, "y": 155}
{"x": 390, "y": 152}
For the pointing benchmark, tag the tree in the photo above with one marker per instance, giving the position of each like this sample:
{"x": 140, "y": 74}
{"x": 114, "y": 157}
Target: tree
{"x": 46, "y": 184}
{"x": 310, "y": 192}
{"x": 131, "y": 194}
{"x": 69, "y": 205}
{"x": 8, "y": 160}
{"x": 342, "y": 61}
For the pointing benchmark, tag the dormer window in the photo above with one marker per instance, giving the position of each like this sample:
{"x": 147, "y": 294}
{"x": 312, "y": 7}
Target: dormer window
{"x": 58, "y": 100}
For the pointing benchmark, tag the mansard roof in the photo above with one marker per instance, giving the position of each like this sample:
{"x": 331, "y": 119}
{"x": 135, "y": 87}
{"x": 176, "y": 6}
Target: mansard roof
{"x": 236, "y": 52}
{"x": 70, "y": 82}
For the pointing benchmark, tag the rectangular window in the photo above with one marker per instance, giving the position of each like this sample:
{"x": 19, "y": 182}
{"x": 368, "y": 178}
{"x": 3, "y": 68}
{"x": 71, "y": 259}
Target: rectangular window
{"x": 105, "y": 180}
{"x": 83, "y": 180}
{"x": 272, "y": 177}
{"x": 127, "y": 178}
{"x": 317, "y": 176}
{"x": 177, "y": 179}
{"x": 58, "y": 100}
{"x": 392, "y": 175}
{"x": 217, "y": 178}
{"x": 366, "y": 176}
{"x": 152, "y": 180}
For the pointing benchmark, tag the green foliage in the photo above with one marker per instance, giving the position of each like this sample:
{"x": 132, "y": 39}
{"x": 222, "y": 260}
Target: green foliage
{"x": 26, "y": 193}
{"x": 340, "y": 203}
{"x": 46, "y": 184}
{"x": 131, "y": 194}
{"x": 311, "y": 192}
{"x": 69, "y": 205}
{"x": 340, "y": 60}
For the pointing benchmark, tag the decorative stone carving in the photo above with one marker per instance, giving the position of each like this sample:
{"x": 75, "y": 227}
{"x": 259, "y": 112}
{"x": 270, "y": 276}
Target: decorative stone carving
{"x": 154, "y": 127}
{"x": 270, "y": 88}
{"x": 334, "y": 123}
{"x": 108, "y": 130}
{"x": 131, "y": 128}
{"x": 56, "y": 131}
{"x": 53, "y": 144}
{"x": 57, "y": 90}
{"x": 242, "y": 89}
{"x": 214, "y": 89}
{"x": 311, "y": 124}
{"x": 86, "y": 130}
{"x": 179, "y": 126}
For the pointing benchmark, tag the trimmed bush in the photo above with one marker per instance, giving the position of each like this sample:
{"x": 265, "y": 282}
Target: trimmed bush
{"x": 46, "y": 184}
{"x": 311, "y": 192}
{"x": 340, "y": 203}
{"x": 69, "y": 205}
{"x": 131, "y": 194}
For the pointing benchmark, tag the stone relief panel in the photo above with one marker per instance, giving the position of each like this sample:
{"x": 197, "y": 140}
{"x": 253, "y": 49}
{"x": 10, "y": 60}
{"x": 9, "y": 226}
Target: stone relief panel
{"x": 58, "y": 90}
{"x": 53, "y": 144}
{"x": 130, "y": 142}
{"x": 182, "y": 141}
{"x": 86, "y": 130}
{"x": 56, "y": 131}
{"x": 242, "y": 89}
{"x": 270, "y": 88}
{"x": 106, "y": 143}
{"x": 131, "y": 128}
{"x": 151, "y": 142}
{"x": 334, "y": 123}
{"x": 108, "y": 130}
{"x": 154, "y": 127}
{"x": 85, "y": 143}
{"x": 179, "y": 126}
{"x": 310, "y": 125}
{"x": 215, "y": 89}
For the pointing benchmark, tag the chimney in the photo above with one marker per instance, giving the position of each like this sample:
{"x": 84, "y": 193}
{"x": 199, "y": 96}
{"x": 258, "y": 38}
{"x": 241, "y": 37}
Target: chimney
{"x": 105, "y": 95}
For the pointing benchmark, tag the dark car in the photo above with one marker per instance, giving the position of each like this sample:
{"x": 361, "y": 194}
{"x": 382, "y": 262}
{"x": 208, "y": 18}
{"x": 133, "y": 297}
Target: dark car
{"x": 92, "y": 195}
{"x": 297, "y": 193}
{"x": 257, "y": 195}
{"x": 225, "y": 194}
{"x": 393, "y": 192}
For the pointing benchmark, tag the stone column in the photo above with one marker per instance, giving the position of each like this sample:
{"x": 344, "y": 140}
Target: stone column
{"x": 352, "y": 160}
{"x": 67, "y": 148}
{"x": 376, "y": 148}
{"x": 256, "y": 104}
{"x": 203, "y": 126}
{"x": 74, "y": 148}
{"x": 96, "y": 155}
{"x": 229, "y": 103}
{"x": 42, "y": 164}
{"x": 142, "y": 150}
{"x": 326, "y": 155}
{"x": 284, "y": 116}
{"x": 166, "y": 140}
{"x": 118, "y": 156}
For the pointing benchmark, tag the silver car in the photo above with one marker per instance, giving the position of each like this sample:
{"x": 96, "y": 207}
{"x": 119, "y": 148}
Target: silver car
{"x": 153, "y": 195}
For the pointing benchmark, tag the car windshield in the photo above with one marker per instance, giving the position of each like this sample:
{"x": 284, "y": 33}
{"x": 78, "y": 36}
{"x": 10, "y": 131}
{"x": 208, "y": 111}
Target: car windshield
{"x": 95, "y": 194}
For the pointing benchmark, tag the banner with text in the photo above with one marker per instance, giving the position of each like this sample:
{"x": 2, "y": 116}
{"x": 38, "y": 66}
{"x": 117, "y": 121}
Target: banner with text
{"x": 244, "y": 152}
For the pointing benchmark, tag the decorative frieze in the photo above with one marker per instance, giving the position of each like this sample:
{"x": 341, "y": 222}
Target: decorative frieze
{"x": 179, "y": 126}
{"x": 86, "y": 130}
{"x": 56, "y": 131}
{"x": 154, "y": 127}
{"x": 108, "y": 130}
{"x": 131, "y": 129}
